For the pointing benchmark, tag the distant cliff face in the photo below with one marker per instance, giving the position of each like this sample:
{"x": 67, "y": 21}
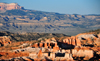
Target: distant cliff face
{"x": 20, "y": 20}
{"x": 5, "y": 6}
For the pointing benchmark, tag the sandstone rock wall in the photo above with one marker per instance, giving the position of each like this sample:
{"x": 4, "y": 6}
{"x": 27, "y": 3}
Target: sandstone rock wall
{"x": 72, "y": 41}
{"x": 51, "y": 49}
{"x": 82, "y": 53}
{"x": 45, "y": 44}
{"x": 4, "y": 40}
{"x": 5, "y": 6}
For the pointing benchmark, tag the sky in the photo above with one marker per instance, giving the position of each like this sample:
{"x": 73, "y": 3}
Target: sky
{"x": 82, "y": 7}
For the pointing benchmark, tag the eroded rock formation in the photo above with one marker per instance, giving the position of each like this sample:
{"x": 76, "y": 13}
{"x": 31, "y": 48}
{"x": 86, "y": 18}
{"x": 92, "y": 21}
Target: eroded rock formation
{"x": 5, "y": 6}
{"x": 4, "y": 40}
{"x": 70, "y": 48}
{"x": 72, "y": 41}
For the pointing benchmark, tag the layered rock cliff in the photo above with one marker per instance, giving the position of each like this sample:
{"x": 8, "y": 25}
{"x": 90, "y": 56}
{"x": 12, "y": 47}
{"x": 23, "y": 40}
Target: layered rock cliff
{"x": 5, "y": 6}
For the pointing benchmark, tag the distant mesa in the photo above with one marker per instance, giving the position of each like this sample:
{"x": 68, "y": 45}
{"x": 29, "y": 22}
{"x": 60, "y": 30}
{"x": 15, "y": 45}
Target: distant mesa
{"x": 6, "y": 6}
{"x": 13, "y": 16}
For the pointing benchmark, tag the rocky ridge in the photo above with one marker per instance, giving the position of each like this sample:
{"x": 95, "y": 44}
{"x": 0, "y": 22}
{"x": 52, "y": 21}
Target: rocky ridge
{"x": 16, "y": 19}
{"x": 69, "y": 48}
{"x": 5, "y": 6}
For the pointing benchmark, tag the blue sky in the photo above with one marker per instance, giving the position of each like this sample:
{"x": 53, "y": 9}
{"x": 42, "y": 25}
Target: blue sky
{"x": 61, "y": 6}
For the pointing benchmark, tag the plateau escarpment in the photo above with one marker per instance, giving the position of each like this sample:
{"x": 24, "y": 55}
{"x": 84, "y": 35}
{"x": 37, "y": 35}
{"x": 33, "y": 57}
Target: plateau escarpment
{"x": 23, "y": 20}
{"x": 5, "y": 6}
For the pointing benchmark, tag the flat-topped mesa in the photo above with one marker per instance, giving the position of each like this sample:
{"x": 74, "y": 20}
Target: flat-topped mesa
{"x": 5, "y": 6}
{"x": 4, "y": 40}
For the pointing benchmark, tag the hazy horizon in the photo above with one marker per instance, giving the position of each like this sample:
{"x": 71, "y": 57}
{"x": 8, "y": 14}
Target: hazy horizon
{"x": 81, "y": 7}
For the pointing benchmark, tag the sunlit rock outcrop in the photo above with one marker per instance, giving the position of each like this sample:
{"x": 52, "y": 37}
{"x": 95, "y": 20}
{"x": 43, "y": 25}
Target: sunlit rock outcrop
{"x": 5, "y": 6}
{"x": 4, "y": 40}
